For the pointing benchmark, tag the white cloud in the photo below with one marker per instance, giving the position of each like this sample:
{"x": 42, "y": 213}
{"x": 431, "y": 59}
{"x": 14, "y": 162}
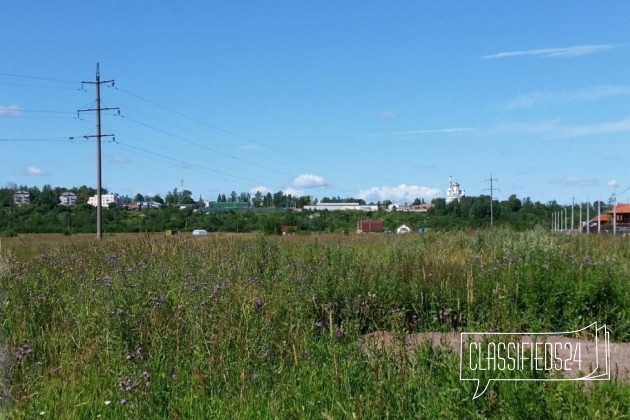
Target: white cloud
{"x": 557, "y": 129}
{"x": 575, "y": 181}
{"x": 387, "y": 115}
{"x": 263, "y": 190}
{"x": 116, "y": 159}
{"x": 309, "y": 181}
{"x": 400, "y": 194}
{"x": 436, "y": 131}
{"x": 10, "y": 111}
{"x": 249, "y": 147}
{"x": 293, "y": 192}
{"x": 590, "y": 93}
{"x": 574, "y": 51}
{"x": 613, "y": 183}
{"x": 30, "y": 171}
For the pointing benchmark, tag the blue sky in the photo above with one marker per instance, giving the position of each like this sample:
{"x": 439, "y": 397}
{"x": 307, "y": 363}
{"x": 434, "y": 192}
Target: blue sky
{"x": 378, "y": 100}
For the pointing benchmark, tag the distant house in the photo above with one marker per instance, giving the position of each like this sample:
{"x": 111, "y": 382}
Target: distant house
{"x": 68, "y": 198}
{"x": 226, "y": 205}
{"x": 622, "y": 214}
{"x": 403, "y": 229}
{"x": 288, "y": 230}
{"x": 341, "y": 206}
{"x": 21, "y": 198}
{"x": 106, "y": 200}
{"x": 369, "y": 226}
{"x": 139, "y": 205}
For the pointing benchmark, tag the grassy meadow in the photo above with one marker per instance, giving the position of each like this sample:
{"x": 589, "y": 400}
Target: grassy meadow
{"x": 252, "y": 326}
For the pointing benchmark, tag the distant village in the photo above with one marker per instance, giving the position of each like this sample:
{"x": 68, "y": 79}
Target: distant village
{"x": 616, "y": 218}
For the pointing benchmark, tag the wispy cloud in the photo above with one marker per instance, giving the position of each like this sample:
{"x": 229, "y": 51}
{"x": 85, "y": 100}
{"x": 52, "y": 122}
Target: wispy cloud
{"x": 30, "y": 171}
{"x": 435, "y": 131}
{"x": 249, "y": 147}
{"x": 11, "y": 111}
{"x": 309, "y": 181}
{"x": 402, "y": 193}
{"x": 261, "y": 188}
{"x": 575, "y": 181}
{"x": 293, "y": 192}
{"x": 387, "y": 115}
{"x": 118, "y": 160}
{"x": 573, "y": 51}
{"x": 557, "y": 129}
{"x": 551, "y": 98}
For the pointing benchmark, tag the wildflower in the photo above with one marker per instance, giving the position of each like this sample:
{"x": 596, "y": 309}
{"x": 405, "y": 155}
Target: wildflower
{"x": 114, "y": 258}
{"x": 413, "y": 322}
{"x": 266, "y": 354}
{"x": 108, "y": 402}
{"x": 255, "y": 376}
{"x": 340, "y": 332}
{"x": 445, "y": 313}
{"x": 123, "y": 401}
{"x": 259, "y": 303}
{"x": 319, "y": 324}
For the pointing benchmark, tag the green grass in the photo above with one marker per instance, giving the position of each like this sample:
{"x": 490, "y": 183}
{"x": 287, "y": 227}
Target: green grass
{"x": 250, "y": 326}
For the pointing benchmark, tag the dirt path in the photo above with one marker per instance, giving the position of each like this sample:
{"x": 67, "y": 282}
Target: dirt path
{"x": 391, "y": 343}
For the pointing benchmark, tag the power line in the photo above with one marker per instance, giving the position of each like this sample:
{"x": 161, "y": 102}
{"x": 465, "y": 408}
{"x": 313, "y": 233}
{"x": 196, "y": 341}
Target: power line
{"x": 37, "y": 86}
{"x": 34, "y": 140}
{"x": 233, "y": 134}
{"x": 203, "y": 146}
{"x": 491, "y": 197}
{"x": 179, "y": 152}
{"x": 183, "y": 162}
{"x": 39, "y": 111}
{"x": 48, "y": 79}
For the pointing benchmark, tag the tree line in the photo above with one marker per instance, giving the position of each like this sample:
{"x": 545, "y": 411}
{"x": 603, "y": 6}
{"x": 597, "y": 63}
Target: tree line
{"x": 266, "y": 213}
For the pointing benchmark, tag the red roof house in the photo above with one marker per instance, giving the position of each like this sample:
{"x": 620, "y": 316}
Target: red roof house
{"x": 369, "y": 226}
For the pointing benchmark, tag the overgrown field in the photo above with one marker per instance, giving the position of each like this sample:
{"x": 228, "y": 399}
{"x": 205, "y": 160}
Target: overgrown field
{"x": 252, "y": 326}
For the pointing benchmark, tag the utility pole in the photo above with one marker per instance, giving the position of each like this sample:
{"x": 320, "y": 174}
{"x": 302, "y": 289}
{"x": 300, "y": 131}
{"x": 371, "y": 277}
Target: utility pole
{"x": 572, "y": 208}
{"x": 615, "y": 209}
{"x": 98, "y": 136}
{"x": 599, "y": 214}
{"x": 491, "y": 197}
{"x": 588, "y": 215}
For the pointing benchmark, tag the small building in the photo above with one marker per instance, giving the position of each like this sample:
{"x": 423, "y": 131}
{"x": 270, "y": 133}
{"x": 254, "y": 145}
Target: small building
{"x": 620, "y": 214}
{"x": 199, "y": 232}
{"x": 341, "y": 207}
{"x": 106, "y": 200}
{"x": 402, "y": 229}
{"x": 369, "y": 226}
{"x": 226, "y": 205}
{"x": 68, "y": 198}
{"x": 139, "y": 205}
{"x": 21, "y": 198}
{"x": 453, "y": 192}
{"x": 288, "y": 230}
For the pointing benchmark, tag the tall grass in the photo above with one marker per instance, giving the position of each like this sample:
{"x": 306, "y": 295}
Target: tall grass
{"x": 268, "y": 327}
